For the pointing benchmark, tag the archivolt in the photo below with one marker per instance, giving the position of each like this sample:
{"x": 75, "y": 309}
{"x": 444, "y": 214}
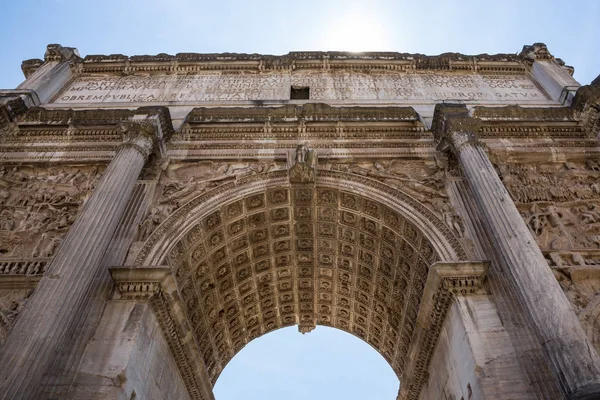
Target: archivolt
{"x": 183, "y": 219}
{"x": 260, "y": 254}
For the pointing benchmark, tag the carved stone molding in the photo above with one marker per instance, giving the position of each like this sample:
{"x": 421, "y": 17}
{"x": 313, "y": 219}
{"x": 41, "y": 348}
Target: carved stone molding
{"x": 308, "y": 112}
{"x": 156, "y": 286}
{"x": 30, "y": 66}
{"x": 444, "y": 280}
{"x": 13, "y": 105}
{"x": 536, "y": 51}
{"x": 191, "y": 62}
{"x": 54, "y": 134}
{"x": 21, "y": 273}
{"x": 56, "y": 52}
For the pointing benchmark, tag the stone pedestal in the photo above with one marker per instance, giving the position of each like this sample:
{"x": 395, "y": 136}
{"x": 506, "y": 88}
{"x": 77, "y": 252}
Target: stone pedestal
{"x": 51, "y": 316}
{"x": 573, "y": 359}
{"x": 474, "y": 357}
{"x": 128, "y": 358}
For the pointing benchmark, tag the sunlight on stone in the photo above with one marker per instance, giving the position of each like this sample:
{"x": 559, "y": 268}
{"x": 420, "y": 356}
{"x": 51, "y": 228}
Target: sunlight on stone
{"x": 357, "y": 32}
{"x": 281, "y": 365}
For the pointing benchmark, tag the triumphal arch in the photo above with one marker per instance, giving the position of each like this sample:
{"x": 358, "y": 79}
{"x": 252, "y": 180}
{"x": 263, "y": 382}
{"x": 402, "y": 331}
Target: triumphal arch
{"x": 157, "y": 213}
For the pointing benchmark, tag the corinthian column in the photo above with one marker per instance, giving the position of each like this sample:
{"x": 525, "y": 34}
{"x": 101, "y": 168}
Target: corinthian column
{"x": 50, "y": 318}
{"x": 574, "y": 361}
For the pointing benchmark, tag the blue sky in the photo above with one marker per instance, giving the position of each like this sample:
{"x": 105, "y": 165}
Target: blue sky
{"x": 324, "y": 364}
{"x": 570, "y": 29}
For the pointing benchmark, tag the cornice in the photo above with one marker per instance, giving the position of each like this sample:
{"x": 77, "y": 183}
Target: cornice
{"x": 192, "y": 62}
{"x": 231, "y": 131}
{"x": 39, "y": 116}
{"x": 307, "y": 112}
{"x": 21, "y": 273}
{"x": 520, "y": 114}
{"x": 183, "y": 63}
{"x": 13, "y": 105}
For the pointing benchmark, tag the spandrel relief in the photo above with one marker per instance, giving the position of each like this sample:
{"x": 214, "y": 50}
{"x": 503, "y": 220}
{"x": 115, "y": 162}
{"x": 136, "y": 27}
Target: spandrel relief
{"x": 559, "y": 202}
{"x": 422, "y": 181}
{"x": 38, "y": 205}
{"x": 181, "y": 182}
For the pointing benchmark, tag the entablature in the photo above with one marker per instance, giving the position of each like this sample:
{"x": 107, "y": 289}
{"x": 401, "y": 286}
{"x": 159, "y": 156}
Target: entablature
{"x": 55, "y": 134}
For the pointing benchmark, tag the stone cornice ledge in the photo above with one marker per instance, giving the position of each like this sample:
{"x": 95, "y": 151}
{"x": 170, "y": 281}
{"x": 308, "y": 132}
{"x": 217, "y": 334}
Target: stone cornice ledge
{"x": 157, "y": 286}
{"x": 42, "y": 134}
{"x": 193, "y": 62}
{"x": 21, "y": 273}
{"x": 444, "y": 281}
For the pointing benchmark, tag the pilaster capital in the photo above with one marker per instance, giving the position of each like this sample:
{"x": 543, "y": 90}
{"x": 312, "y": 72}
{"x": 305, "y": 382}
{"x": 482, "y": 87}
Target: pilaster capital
{"x": 141, "y": 135}
{"x": 454, "y": 128}
{"x": 139, "y": 284}
{"x": 461, "y": 278}
{"x": 56, "y": 52}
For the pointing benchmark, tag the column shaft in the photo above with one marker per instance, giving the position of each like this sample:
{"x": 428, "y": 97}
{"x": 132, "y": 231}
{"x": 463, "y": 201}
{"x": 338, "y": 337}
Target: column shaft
{"x": 574, "y": 361}
{"x": 52, "y": 312}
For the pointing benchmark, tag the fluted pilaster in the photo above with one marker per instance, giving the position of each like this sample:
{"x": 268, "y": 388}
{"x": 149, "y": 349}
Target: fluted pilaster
{"x": 61, "y": 298}
{"x": 575, "y": 363}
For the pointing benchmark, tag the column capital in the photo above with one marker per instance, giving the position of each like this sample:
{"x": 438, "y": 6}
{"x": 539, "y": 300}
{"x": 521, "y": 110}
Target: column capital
{"x": 141, "y": 135}
{"x": 453, "y": 127}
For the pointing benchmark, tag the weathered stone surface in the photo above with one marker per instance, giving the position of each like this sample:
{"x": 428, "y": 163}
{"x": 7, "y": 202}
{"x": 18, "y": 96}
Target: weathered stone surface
{"x": 254, "y": 211}
{"x": 575, "y": 363}
{"x": 60, "y": 298}
{"x": 128, "y": 358}
{"x": 334, "y": 85}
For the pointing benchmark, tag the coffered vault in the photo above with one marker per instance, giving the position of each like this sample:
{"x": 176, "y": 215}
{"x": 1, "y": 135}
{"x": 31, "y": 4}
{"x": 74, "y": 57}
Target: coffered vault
{"x": 166, "y": 210}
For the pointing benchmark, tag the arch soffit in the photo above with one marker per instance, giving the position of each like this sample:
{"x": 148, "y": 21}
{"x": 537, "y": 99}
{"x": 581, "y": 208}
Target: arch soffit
{"x": 170, "y": 232}
{"x": 240, "y": 288}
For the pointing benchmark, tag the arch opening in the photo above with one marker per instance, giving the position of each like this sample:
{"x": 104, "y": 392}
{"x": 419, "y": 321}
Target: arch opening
{"x": 326, "y": 364}
{"x": 307, "y": 256}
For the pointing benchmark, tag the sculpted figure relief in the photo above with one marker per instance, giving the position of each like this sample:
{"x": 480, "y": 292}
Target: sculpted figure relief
{"x": 559, "y": 201}
{"x": 181, "y": 182}
{"x": 305, "y": 163}
{"x": 424, "y": 182}
{"x": 37, "y": 206}
{"x": 551, "y": 182}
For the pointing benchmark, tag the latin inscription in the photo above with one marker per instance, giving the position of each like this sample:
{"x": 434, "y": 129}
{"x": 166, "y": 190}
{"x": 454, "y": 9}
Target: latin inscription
{"x": 336, "y": 85}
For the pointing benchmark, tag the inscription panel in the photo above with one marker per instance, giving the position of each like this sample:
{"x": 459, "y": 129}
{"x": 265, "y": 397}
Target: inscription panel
{"x": 336, "y": 85}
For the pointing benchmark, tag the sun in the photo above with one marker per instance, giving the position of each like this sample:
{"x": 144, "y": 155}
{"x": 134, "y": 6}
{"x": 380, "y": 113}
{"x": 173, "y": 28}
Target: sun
{"x": 356, "y": 33}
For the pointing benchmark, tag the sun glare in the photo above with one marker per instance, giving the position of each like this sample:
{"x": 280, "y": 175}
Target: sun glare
{"x": 356, "y": 32}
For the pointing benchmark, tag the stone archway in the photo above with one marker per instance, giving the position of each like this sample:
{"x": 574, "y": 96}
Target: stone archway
{"x": 259, "y": 254}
